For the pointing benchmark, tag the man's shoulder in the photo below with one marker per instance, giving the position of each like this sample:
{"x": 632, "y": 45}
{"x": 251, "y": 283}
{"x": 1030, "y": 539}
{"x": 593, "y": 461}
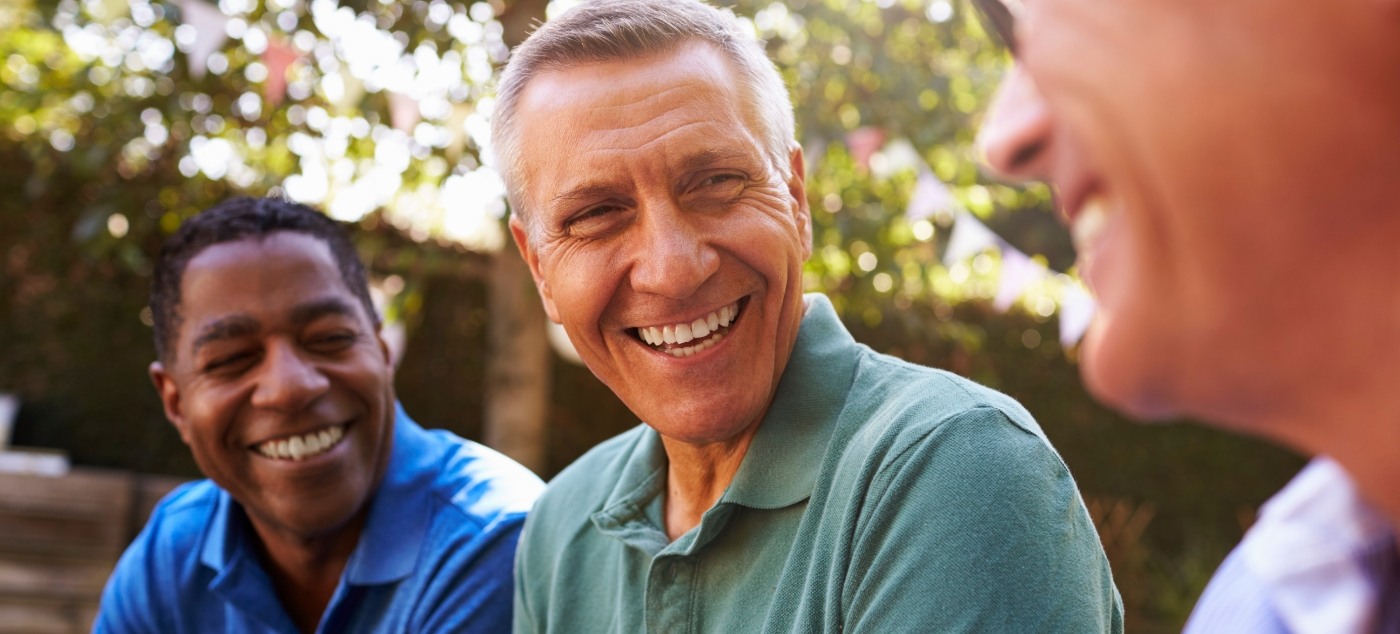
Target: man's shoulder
{"x": 891, "y": 392}
{"x": 171, "y": 539}
{"x": 181, "y": 518}
{"x": 585, "y": 485}
{"x": 482, "y": 484}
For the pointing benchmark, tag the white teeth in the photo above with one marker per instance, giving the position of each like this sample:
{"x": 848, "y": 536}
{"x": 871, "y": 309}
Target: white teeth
{"x": 304, "y": 446}
{"x": 696, "y": 349}
{"x": 1088, "y": 225}
{"x": 706, "y": 328}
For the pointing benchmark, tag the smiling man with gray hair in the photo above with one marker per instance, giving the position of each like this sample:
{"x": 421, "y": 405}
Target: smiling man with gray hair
{"x": 786, "y": 478}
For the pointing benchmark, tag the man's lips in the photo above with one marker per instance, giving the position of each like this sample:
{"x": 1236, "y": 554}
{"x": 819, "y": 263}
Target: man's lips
{"x": 302, "y": 446}
{"x": 684, "y": 339}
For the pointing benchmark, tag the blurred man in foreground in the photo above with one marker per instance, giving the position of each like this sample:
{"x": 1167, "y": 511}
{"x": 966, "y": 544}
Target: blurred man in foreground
{"x": 786, "y": 478}
{"x": 1229, "y": 170}
{"x": 327, "y": 509}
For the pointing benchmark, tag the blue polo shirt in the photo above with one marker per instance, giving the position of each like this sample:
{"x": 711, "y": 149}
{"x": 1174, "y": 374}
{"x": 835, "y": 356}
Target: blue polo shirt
{"x": 435, "y": 554}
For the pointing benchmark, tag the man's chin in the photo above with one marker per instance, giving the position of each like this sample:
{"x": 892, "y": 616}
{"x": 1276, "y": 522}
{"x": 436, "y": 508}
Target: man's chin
{"x": 1121, "y": 377}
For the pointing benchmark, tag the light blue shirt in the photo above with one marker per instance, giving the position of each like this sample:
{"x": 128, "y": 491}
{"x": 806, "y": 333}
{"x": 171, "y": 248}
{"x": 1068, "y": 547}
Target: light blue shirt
{"x": 435, "y": 554}
{"x": 1319, "y": 560}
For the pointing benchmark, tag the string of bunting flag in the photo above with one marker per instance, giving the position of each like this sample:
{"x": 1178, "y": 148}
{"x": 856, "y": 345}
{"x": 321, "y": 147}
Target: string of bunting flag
{"x": 969, "y": 237}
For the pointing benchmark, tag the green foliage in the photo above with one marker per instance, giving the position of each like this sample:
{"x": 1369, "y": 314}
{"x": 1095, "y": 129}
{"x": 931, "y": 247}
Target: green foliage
{"x": 108, "y": 141}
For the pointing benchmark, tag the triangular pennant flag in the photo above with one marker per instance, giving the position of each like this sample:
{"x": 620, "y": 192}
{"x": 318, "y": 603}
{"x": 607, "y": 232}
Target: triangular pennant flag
{"x": 403, "y": 112}
{"x": 209, "y": 34}
{"x": 930, "y": 197}
{"x": 864, "y": 143}
{"x": 969, "y": 238}
{"x": 1018, "y": 271}
{"x": 278, "y": 58}
{"x": 1077, "y": 310}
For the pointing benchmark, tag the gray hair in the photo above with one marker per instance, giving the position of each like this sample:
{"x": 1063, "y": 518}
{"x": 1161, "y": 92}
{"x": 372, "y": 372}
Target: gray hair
{"x": 609, "y": 30}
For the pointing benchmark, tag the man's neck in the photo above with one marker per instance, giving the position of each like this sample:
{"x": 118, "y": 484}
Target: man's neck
{"x": 1370, "y": 458}
{"x": 305, "y": 571}
{"x": 697, "y": 476}
{"x": 1352, "y": 415}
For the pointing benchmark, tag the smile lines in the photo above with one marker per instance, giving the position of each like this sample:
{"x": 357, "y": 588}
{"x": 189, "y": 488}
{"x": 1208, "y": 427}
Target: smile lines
{"x": 302, "y": 447}
{"x": 707, "y": 331}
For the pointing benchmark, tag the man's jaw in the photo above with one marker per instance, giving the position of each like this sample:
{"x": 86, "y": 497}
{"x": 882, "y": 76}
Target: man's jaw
{"x": 688, "y": 338}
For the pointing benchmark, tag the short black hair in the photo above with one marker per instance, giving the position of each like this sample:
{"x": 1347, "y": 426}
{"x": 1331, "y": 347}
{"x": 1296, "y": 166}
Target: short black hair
{"x": 239, "y": 219}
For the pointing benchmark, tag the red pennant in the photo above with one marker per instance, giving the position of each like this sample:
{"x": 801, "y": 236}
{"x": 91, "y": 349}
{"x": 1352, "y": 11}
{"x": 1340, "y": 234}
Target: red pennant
{"x": 864, "y": 143}
{"x": 279, "y": 58}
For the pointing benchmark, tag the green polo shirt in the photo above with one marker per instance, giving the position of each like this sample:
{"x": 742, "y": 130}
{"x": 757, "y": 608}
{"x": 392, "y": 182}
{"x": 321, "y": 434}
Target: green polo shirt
{"x": 877, "y": 496}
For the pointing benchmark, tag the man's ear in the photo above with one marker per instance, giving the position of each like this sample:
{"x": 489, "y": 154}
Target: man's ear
{"x": 169, "y": 393}
{"x": 522, "y": 242}
{"x": 797, "y": 187}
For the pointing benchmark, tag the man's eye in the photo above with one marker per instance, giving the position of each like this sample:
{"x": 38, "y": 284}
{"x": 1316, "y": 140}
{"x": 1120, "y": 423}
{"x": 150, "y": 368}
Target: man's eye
{"x": 722, "y": 180}
{"x": 228, "y": 362}
{"x": 716, "y": 188}
{"x": 592, "y": 221}
{"x": 334, "y": 342}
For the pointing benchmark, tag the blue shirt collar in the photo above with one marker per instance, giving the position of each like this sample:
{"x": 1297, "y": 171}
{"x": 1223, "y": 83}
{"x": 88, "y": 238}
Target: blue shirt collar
{"x": 399, "y": 515}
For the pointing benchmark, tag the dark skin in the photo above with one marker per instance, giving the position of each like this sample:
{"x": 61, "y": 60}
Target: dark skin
{"x": 305, "y": 576}
{"x": 273, "y": 347}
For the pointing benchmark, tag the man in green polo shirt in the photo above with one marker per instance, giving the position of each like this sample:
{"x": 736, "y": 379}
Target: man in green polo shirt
{"x": 786, "y": 478}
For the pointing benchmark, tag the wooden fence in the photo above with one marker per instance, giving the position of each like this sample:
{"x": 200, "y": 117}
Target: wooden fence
{"x": 60, "y": 538}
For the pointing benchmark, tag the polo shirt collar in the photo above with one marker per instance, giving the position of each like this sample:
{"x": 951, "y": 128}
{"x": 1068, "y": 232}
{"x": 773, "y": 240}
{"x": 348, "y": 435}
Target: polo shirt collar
{"x": 395, "y": 529}
{"x": 401, "y": 510}
{"x": 781, "y": 465}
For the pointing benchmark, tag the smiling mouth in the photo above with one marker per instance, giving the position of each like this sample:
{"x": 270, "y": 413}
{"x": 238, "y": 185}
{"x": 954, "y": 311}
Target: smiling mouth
{"x": 688, "y": 339}
{"x": 304, "y": 446}
{"x": 1087, "y": 224}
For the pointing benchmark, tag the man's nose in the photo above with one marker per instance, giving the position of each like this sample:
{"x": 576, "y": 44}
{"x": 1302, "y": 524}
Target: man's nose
{"x": 288, "y": 381}
{"x": 1015, "y": 135}
{"x": 672, "y": 257}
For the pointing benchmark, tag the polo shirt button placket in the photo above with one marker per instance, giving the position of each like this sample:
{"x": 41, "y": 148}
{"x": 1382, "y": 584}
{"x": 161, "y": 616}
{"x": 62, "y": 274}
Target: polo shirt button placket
{"x": 668, "y": 596}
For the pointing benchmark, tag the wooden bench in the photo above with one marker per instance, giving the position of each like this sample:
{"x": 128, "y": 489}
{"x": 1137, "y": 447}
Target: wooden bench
{"x": 60, "y": 538}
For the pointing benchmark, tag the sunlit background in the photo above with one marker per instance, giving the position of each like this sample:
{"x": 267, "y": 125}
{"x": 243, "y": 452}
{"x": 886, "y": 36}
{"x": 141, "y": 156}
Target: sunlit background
{"x": 120, "y": 119}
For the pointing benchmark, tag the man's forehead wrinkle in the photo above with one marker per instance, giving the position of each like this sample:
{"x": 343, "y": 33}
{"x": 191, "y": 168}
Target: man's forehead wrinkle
{"x": 678, "y": 96}
{"x": 663, "y": 138}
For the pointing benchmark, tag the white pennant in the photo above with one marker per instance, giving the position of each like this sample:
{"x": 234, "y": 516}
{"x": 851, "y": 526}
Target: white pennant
{"x": 969, "y": 238}
{"x": 1077, "y": 310}
{"x": 1018, "y": 271}
{"x": 209, "y": 34}
{"x": 930, "y": 197}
